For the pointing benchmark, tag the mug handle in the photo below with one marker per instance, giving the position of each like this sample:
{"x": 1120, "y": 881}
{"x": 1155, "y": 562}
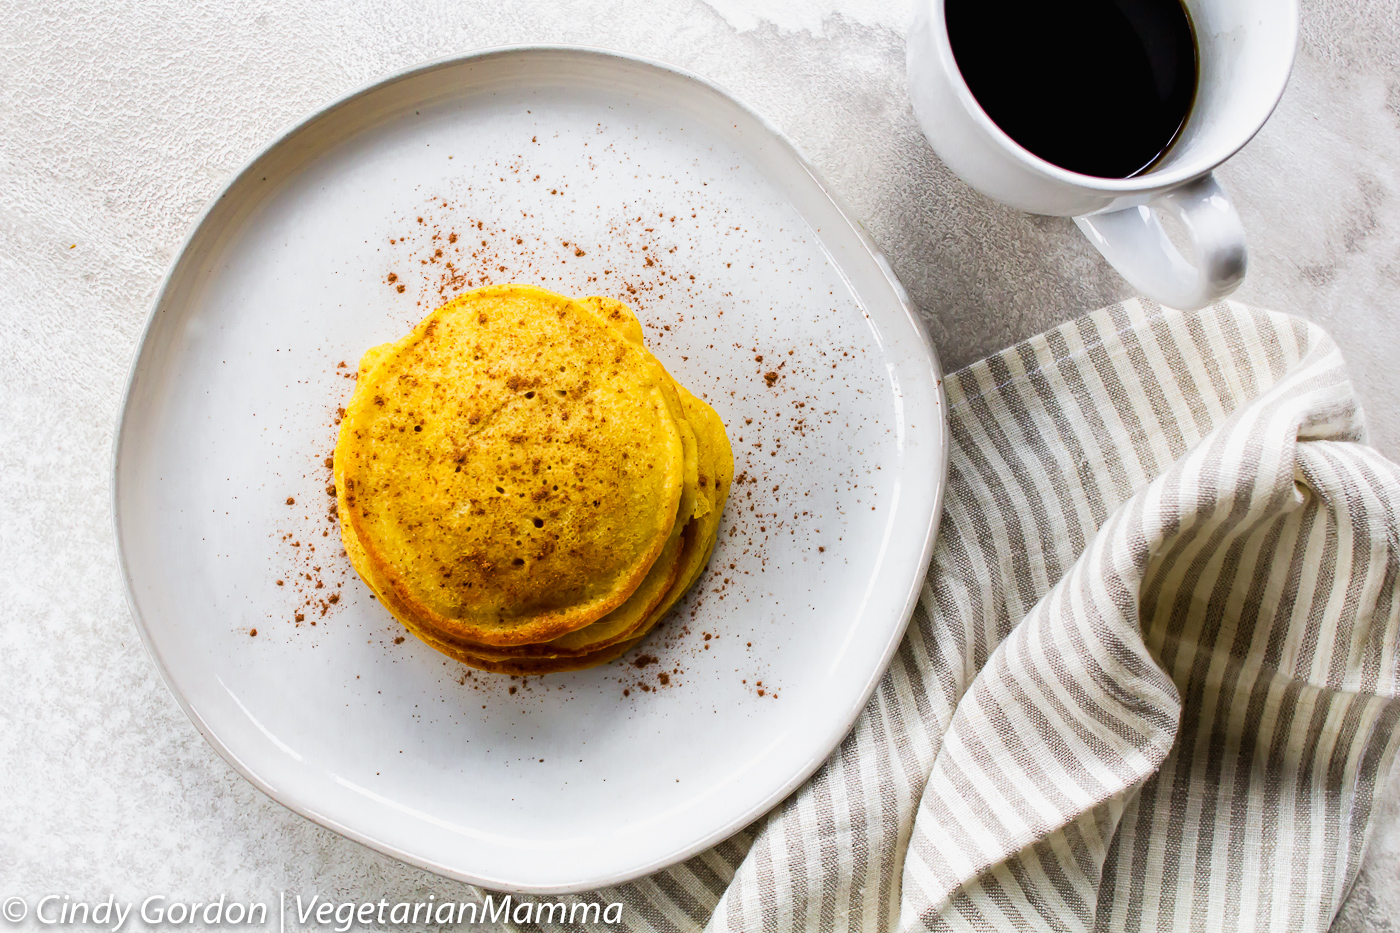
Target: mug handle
{"x": 1133, "y": 241}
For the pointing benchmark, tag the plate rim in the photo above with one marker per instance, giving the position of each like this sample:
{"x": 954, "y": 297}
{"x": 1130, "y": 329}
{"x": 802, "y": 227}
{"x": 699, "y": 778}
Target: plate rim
{"x": 305, "y": 808}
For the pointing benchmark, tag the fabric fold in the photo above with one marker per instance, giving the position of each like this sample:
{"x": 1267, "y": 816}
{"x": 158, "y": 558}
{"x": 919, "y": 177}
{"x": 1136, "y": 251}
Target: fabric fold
{"x": 1135, "y": 689}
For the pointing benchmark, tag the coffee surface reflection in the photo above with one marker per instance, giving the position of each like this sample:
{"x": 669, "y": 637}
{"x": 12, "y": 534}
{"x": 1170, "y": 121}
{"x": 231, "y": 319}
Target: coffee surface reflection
{"x": 1099, "y": 87}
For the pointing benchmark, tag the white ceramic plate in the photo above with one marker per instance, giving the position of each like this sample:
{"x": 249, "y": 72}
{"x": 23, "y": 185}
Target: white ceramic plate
{"x": 589, "y": 173}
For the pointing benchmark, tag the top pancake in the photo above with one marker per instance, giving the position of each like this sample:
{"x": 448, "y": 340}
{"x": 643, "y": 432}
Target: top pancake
{"x": 513, "y": 467}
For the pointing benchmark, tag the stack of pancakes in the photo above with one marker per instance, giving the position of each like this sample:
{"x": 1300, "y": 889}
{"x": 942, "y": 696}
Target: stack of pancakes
{"x": 523, "y": 485}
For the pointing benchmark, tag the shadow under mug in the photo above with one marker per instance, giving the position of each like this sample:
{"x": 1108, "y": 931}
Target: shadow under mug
{"x": 1245, "y": 51}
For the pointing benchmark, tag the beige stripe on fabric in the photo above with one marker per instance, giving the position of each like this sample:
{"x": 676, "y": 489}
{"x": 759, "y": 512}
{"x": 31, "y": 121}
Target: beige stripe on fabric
{"x": 1151, "y": 682}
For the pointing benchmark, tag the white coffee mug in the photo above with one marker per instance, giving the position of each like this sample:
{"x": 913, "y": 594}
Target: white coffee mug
{"x": 1245, "y": 51}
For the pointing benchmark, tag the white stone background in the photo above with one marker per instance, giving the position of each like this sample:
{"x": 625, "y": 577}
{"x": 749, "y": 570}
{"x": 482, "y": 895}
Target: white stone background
{"x": 120, "y": 118}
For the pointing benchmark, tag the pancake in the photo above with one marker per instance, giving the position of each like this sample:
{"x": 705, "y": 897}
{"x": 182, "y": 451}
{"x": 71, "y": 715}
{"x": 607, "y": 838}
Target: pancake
{"x": 531, "y": 667}
{"x": 627, "y": 618}
{"x": 418, "y": 371}
{"x": 512, "y": 469}
{"x": 714, "y": 460}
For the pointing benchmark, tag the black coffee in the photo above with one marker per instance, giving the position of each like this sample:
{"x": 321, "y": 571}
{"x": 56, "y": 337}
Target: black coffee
{"x": 1100, "y": 87}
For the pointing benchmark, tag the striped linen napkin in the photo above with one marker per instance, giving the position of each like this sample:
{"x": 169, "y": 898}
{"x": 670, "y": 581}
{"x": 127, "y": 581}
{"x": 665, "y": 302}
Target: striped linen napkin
{"x": 1150, "y": 682}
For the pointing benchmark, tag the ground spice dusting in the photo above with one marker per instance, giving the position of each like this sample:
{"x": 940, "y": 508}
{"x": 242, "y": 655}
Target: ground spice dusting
{"x": 318, "y": 568}
{"x": 641, "y": 260}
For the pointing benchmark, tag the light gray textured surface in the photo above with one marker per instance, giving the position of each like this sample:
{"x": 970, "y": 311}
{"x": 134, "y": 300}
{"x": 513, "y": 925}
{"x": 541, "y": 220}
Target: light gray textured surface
{"x": 119, "y": 120}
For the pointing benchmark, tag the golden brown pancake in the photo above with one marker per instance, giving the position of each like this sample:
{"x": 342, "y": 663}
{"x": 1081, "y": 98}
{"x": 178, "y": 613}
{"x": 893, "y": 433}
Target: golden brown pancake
{"x": 715, "y": 460}
{"x": 512, "y": 469}
{"x": 415, "y": 371}
{"x": 527, "y": 667}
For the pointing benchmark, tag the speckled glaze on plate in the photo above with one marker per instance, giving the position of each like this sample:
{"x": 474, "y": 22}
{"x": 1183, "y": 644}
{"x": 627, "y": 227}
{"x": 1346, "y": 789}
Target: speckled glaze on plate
{"x": 587, "y": 172}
